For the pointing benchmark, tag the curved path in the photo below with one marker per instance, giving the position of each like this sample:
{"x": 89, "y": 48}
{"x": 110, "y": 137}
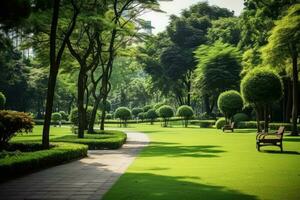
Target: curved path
{"x": 85, "y": 179}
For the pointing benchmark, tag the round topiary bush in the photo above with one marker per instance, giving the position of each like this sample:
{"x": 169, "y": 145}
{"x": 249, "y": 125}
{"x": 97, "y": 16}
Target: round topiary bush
{"x": 240, "y": 117}
{"x": 2, "y": 100}
{"x": 260, "y": 88}
{"x": 136, "y": 111}
{"x": 74, "y": 116}
{"x": 220, "y": 123}
{"x": 186, "y": 112}
{"x": 229, "y": 103}
{"x": 158, "y": 105}
{"x": 56, "y": 118}
{"x": 147, "y": 107}
{"x": 107, "y": 106}
{"x": 151, "y": 115}
{"x": 142, "y": 116}
{"x": 123, "y": 113}
{"x": 64, "y": 115}
{"x": 109, "y": 116}
{"x": 165, "y": 112}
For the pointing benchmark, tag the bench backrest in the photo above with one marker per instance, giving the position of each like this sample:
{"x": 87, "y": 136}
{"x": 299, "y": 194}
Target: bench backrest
{"x": 280, "y": 131}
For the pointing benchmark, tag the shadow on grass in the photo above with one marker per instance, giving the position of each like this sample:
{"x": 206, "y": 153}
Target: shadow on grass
{"x": 291, "y": 139}
{"x": 279, "y": 152}
{"x": 149, "y": 186}
{"x": 171, "y": 150}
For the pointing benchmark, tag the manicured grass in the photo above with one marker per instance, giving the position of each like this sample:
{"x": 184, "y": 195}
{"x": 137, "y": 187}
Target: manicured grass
{"x": 198, "y": 163}
{"x": 101, "y": 140}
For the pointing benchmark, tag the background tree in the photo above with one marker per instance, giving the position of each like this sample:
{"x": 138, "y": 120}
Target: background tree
{"x": 151, "y": 115}
{"x": 218, "y": 70}
{"x": 123, "y": 113}
{"x": 260, "y": 88}
{"x": 283, "y": 48}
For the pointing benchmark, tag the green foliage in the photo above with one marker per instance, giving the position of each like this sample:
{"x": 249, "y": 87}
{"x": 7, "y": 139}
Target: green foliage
{"x": 218, "y": 68}
{"x": 186, "y": 112}
{"x": 147, "y": 107}
{"x": 74, "y": 115}
{"x": 151, "y": 115}
{"x": 15, "y": 164}
{"x": 239, "y": 117}
{"x": 109, "y": 116}
{"x": 142, "y": 115}
{"x": 203, "y": 123}
{"x": 64, "y": 115}
{"x": 2, "y": 100}
{"x": 56, "y": 117}
{"x": 229, "y": 103}
{"x": 123, "y": 113}
{"x": 261, "y": 87}
{"x": 107, "y": 105}
{"x": 285, "y": 33}
{"x": 158, "y": 105}
{"x": 220, "y": 123}
{"x": 165, "y": 112}
{"x": 12, "y": 122}
{"x": 98, "y": 140}
{"x": 136, "y": 111}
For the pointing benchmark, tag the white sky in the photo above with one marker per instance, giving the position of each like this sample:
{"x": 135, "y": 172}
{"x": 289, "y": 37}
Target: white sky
{"x": 160, "y": 20}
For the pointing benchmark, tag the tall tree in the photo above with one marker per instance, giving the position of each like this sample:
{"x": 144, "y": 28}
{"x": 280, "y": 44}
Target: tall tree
{"x": 284, "y": 49}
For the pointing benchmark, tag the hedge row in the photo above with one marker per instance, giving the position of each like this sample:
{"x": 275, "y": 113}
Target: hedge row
{"x": 41, "y": 122}
{"x": 203, "y": 123}
{"x": 273, "y": 126}
{"x": 134, "y": 121}
{"x": 99, "y": 140}
{"x": 18, "y": 163}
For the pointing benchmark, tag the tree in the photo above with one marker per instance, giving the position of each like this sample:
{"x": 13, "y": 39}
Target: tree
{"x": 218, "y": 70}
{"x": 186, "y": 112}
{"x": 260, "y": 88}
{"x": 56, "y": 117}
{"x": 151, "y": 115}
{"x": 136, "y": 111}
{"x": 230, "y": 102}
{"x": 123, "y": 113}
{"x": 284, "y": 48}
{"x": 165, "y": 112}
{"x": 55, "y": 60}
{"x": 2, "y": 101}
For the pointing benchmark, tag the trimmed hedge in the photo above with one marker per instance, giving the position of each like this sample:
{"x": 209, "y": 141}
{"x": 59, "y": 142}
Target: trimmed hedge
{"x": 41, "y": 122}
{"x": 98, "y": 140}
{"x": 273, "y": 126}
{"x": 203, "y": 123}
{"x": 18, "y": 163}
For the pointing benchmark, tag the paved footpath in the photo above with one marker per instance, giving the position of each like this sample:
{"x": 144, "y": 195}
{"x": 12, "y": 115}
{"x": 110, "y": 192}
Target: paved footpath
{"x": 85, "y": 179}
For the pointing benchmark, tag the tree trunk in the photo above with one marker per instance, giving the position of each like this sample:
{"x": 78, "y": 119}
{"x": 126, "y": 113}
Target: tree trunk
{"x": 289, "y": 102}
{"x": 93, "y": 116}
{"x": 257, "y": 118}
{"x": 266, "y": 117}
{"x": 206, "y": 104}
{"x": 295, "y": 91}
{"x": 80, "y": 105}
{"x": 52, "y": 75}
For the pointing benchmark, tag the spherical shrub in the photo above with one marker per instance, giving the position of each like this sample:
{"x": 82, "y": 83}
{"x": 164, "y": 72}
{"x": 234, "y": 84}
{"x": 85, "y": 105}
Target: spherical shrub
{"x": 220, "y": 123}
{"x": 261, "y": 86}
{"x": 229, "y": 103}
{"x": 142, "y": 115}
{"x": 108, "y": 116}
{"x": 64, "y": 115}
{"x": 152, "y": 115}
{"x": 136, "y": 111}
{"x": 240, "y": 117}
{"x": 165, "y": 112}
{"x": 158, "y": 105}
{"x": 2, "y": 100}
{"x": 107, "y": 106}
{"x": 74, "y": 115}
{"x": 146, "y": 108}
{"x": 12, "y": 122}
{"x": 56, "y": 117}
{"x": 186, "y": 112}
{"x": 123, "y": 113}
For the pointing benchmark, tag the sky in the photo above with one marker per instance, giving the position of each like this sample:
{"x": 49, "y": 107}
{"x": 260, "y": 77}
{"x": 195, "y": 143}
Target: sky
{"x": 160, "y": 20}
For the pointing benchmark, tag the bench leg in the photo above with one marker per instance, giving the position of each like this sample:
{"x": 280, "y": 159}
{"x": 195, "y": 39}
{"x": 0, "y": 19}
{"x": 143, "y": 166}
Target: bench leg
{"x": 281, "y": 149}
{"x": 257, "y": 146}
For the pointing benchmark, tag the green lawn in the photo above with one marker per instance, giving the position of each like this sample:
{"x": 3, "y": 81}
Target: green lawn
{"x": 194, "y": 163}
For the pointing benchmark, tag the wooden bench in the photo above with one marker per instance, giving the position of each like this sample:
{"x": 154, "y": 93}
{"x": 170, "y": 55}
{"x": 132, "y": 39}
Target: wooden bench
{"x": 270, "y": 139}
{"x": 228, "y": 127}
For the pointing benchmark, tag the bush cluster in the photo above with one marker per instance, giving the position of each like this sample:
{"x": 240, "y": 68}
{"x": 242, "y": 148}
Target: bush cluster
{"x": 165, "y": 112}
{"x": 74, "y": 115}
{"x": 123, "y": 113}
{"x": 56, "y": 117}
{"x": 12, "y": 122}
{"x": 136, "y": 111}
{"x": 186, "y": 112}
{"x": 239, "y": 117}
{"x": 151, "y": 115}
